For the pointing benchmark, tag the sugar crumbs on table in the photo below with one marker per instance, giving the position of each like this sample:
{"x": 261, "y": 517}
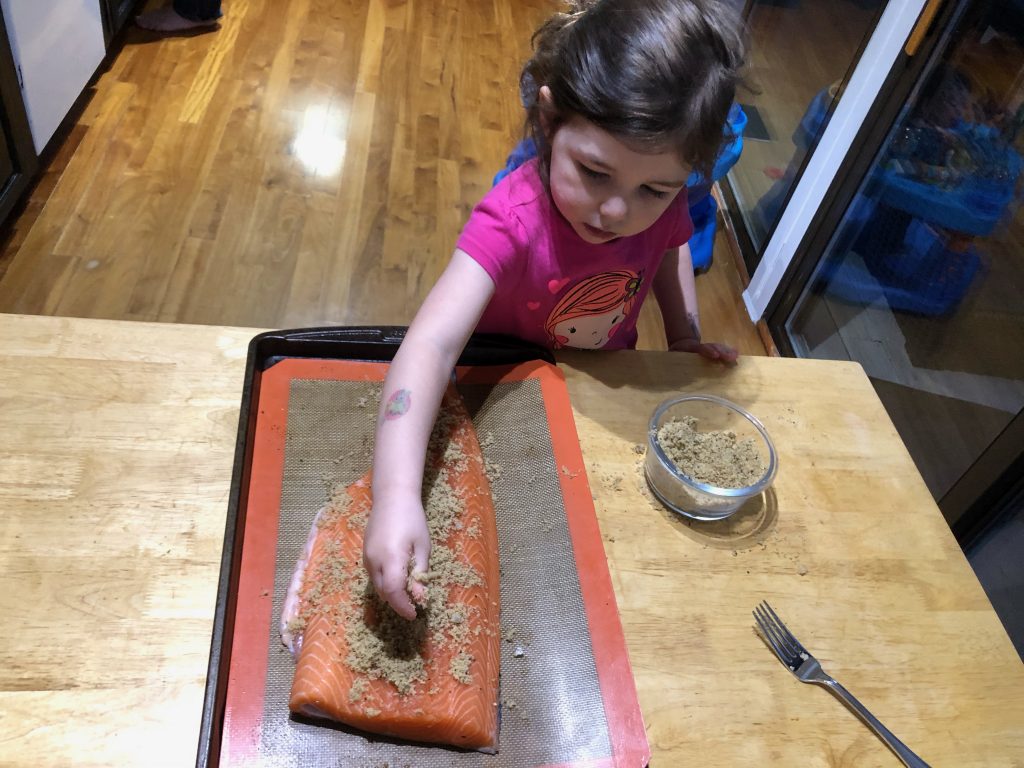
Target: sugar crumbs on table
{"x": 716, "y": 458}
{"x": 612, "y": 481}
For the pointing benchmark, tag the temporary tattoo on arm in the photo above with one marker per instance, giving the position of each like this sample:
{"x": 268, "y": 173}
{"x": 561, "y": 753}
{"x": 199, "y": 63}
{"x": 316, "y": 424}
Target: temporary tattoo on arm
{"x": 398, "y": 404}
{"x": 691, "y": 318}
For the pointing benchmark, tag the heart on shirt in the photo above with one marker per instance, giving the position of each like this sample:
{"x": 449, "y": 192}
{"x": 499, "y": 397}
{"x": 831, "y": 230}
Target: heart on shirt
{"x": 554, "y": 286}
{"x": 533, "y": 305}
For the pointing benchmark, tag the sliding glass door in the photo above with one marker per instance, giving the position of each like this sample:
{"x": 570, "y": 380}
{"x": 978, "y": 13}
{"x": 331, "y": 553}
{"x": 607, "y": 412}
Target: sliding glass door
{"x": 802, "y": 52}
{"x": 921, "y": 274}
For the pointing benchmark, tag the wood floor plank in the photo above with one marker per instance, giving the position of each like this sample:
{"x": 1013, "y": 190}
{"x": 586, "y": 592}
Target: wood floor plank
{"x": 309, "y": 162}
{"x": 214, "y": 66}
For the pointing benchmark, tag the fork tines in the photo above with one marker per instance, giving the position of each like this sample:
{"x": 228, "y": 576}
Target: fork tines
{"x": 786, "y": 646}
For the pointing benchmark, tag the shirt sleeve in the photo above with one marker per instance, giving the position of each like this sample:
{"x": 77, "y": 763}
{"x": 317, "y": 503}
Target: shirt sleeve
{"x": 493, "y": 238}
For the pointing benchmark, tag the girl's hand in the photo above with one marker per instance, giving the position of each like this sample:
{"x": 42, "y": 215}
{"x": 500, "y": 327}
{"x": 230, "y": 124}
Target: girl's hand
{"x": 396, "y": 538}
{"x": 711, "y": 350}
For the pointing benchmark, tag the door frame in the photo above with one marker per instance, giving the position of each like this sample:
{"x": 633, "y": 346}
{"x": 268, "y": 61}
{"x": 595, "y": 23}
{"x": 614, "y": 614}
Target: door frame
{"x": 904, "y": 81}
{"x": 751, "y": 253}
{"x": 16, "y": 127}
{"x": 968, "y": 505}
{"x": 882, "y": 63}
{"x": 975, "y": 499}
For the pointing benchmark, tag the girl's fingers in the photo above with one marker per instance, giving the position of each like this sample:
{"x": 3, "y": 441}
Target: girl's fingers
{"x": 391, "y": 589}
{"x": 728, "y": 354}
{"x": 416, "y": 586}
{"x": 721, "y": 352}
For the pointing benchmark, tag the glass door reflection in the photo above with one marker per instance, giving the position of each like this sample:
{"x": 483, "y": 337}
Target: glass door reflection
{"x": 801, "y": 54}
{"x": 922, "y": 282}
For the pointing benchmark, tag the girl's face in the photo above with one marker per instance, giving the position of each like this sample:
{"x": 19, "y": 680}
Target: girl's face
{"x": 605, "y": 189}
{"x": 589, "y": 331}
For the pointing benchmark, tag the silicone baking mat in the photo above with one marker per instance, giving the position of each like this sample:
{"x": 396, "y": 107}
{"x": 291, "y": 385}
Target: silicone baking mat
{"x": 567, "y": 695}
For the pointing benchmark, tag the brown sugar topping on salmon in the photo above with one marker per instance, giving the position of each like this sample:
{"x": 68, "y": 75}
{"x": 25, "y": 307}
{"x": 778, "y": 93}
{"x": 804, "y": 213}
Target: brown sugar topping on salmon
{"x": 432, "y": 679}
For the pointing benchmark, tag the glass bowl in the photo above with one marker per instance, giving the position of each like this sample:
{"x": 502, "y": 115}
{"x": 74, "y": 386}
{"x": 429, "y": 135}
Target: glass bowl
{"x": 691, "y": 497}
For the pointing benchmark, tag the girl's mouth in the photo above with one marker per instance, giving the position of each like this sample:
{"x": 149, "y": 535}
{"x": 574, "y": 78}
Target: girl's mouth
{"x": 600, "y": 233}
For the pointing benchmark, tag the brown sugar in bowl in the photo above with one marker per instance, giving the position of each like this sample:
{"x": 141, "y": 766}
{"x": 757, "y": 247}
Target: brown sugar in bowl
{"x": 707, "y": 456}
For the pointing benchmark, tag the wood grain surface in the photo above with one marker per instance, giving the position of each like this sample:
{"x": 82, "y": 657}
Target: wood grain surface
{"x": 310, "y": 162}
{"x": 117, "y": 443}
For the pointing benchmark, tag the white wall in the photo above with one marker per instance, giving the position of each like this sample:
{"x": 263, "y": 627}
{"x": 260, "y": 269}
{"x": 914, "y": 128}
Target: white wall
{"x": 58, "y": 45}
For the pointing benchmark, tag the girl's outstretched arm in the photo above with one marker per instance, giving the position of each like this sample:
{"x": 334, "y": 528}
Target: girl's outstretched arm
{"x": 397, "y": 529}
{"x": 676, "y": 291}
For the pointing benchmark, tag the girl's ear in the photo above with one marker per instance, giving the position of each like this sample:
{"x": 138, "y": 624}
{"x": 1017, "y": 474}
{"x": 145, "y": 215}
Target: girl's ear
{"x": 546, "y": 103}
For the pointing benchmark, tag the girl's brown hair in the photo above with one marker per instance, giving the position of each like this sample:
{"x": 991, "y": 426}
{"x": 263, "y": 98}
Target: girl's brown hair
{"x": 656, "y": 74}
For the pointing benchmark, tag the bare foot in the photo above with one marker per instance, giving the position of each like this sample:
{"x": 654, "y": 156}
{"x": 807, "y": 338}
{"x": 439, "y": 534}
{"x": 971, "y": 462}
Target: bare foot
{"x": 166, "y": 20}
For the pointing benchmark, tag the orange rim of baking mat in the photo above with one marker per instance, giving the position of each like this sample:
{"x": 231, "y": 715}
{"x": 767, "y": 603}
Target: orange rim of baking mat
{"x": 247, "y": 671}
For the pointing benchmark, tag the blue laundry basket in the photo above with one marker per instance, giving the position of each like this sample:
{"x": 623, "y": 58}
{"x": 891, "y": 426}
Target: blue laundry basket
{"x": 703, "y": 207}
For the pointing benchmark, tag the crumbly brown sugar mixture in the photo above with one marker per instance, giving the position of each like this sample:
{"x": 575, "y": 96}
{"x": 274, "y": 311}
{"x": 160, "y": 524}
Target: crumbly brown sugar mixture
{"x": 715, "y": 458}
{"x": 381, "y": 644}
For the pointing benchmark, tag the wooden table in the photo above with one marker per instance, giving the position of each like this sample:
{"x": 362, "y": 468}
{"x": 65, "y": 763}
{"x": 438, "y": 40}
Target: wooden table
{"x": 116, "y": 445}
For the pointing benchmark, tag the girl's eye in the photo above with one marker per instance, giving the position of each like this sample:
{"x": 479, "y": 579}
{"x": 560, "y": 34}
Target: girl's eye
{"x": 654, "y": 192}
{"x": 591, "y": 172}
{"x": 572, "y": 329}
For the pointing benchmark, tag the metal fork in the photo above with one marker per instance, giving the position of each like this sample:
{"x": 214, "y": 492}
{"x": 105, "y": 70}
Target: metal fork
{"x": 807, "y": 670}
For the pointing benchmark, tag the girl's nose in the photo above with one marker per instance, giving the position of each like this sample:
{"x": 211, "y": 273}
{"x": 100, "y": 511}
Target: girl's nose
{"x": 613, "y": 209}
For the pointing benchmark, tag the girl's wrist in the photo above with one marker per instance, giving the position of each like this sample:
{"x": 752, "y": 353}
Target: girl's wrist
{"x": 685, "y": 344}
{"x": 689, "y": 334}
{"x": 395, "y": 498}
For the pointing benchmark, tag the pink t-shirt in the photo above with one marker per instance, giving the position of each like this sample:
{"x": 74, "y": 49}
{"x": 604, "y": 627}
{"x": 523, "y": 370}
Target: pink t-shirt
{"x": 552, "y": 287}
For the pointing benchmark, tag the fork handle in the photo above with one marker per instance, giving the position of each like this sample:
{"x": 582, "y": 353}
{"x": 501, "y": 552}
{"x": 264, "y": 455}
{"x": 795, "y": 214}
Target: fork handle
{"x": 897, "y": 746}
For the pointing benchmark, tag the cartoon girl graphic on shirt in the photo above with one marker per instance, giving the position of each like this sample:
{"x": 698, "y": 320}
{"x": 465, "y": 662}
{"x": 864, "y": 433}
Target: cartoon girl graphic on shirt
{"x": 590, "y": 314}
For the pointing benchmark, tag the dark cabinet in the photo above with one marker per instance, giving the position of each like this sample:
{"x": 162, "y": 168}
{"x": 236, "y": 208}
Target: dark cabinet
{"x": 115, "y": 15}
{"x": 18, "y": 160}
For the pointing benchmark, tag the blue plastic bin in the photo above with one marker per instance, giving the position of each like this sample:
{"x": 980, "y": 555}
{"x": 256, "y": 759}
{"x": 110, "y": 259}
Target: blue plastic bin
{"x": 703, "y": 213}
{"x": 703, "y": 208}
{"x": 905, "y": 261}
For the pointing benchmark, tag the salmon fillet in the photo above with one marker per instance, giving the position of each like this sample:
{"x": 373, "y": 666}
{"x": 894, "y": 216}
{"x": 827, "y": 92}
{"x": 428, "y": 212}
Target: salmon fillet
{"x": 433, "y": 679}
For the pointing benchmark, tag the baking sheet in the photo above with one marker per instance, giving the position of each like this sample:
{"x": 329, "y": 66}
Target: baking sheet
{"x": 567, "y": 696}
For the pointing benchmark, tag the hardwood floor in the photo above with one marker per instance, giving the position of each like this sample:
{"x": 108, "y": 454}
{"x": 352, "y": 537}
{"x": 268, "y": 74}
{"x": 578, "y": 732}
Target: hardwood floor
{"x": 311, "y": 162}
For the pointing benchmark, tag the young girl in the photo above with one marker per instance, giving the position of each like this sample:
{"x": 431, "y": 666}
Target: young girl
{"x": 624, "y": 99}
